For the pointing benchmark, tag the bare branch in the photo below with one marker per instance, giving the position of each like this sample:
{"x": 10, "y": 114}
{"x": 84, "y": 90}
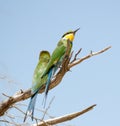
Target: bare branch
{"x": 6, "y": 95}
{"x": 22, "y": 95}
{"x": 88, "y": 56}
{"x": 75, "y": 57}
{"x": 18, "y": 109}
{"x": 47, "y": 108}
{"x": 5, "y": 105}
{"x": 8, "y": 122}
{"x": 64, "y": 118}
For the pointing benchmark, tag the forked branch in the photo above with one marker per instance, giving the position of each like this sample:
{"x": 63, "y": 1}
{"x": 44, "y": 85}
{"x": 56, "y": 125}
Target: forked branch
{"x": 66, "y": 66}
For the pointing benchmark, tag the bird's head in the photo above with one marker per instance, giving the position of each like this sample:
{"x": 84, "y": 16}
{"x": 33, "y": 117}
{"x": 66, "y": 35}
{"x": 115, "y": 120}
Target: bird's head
{"x": 70, "y": 35}
{"x": 44, "y": 55}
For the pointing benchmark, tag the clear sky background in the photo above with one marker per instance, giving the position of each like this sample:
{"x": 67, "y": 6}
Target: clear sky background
{"x": 27, "y": 27}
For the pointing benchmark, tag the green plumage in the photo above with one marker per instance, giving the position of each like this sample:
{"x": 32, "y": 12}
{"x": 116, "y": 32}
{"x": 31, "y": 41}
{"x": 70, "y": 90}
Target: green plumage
{"x": 37, "y": 82}
{"x": 57, "y": 55}
{"x": 46, "y": 68}
{"x": 59, "y": 52}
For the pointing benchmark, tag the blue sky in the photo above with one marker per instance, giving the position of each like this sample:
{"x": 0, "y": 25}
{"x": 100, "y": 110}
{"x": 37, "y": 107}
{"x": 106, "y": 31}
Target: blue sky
{"x": 27, "y": 27}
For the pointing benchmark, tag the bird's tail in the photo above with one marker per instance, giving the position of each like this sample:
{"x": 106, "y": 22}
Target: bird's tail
{"x": 30, "y": 110}
{"x": 50, "y": 74}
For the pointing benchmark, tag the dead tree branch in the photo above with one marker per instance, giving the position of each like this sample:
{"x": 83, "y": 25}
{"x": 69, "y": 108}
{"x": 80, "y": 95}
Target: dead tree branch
{"x": 87, "y": 57}
{"x": 64, "y": 118}
{"x": 22, "y": 95}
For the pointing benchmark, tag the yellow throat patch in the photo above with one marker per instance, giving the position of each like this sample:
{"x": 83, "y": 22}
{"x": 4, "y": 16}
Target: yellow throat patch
{"x": 69, "y": 36}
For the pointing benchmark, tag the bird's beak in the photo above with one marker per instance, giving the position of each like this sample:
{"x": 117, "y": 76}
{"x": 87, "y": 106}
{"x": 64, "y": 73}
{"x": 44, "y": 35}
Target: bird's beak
{"x": 76, "y": 30}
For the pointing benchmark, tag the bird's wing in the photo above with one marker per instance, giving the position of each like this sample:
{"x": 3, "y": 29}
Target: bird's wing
{"x": 56, "y": 55}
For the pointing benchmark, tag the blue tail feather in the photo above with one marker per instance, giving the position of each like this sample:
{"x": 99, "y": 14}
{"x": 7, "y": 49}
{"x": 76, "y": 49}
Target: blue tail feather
{"x": 50, "y": 74}
{"x": 30, "y": 110}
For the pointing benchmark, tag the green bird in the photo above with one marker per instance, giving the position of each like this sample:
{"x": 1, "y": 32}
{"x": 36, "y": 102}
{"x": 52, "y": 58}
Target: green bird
{"x": 57, "y": 57}
{"x": 37, "y": 82}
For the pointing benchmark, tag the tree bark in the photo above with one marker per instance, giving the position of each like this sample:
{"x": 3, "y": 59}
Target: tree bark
{"x": 66, "y": 66}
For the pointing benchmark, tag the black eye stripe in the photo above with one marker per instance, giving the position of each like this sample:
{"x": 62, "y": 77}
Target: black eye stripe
{"x": 66, "y": 34}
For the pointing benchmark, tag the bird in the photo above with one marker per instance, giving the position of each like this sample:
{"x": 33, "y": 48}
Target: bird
{"x": 57, "y": 57}
{"x": 37, "y": 82}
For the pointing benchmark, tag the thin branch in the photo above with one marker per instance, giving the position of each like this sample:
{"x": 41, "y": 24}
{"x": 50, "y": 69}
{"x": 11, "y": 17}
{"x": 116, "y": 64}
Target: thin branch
{"x": 14, "y": 106}
{"x": 37, "y": 109}
{"x": 64, "y": 118}
{"x": 47, "y": 108}
{"x": 88, "y": 56}
{"x": 10, "y": 123}
{"x": 5, "y": 121}
{"x": 6, "y": 95}
{"x": 22, "y": 95}
{"x": 75, "y": 57}
{"x": 9, "y": 115}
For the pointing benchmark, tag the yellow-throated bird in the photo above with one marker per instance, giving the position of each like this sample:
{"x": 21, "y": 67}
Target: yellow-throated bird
{"x": 58, "y": 56}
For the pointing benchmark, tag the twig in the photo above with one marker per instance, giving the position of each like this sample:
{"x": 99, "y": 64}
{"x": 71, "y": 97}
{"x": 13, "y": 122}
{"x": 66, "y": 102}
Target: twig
{"x": 6, "y": 95}
{"x": 75, "y": 57}
{"x": 9, "y": 115}
{"x": 6, "y": 121}
{"x": 65, "y": 117}
{"x": 14, "y": 106}
{"x": 88, "y": 56}
{"x": 48, "y": 107}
